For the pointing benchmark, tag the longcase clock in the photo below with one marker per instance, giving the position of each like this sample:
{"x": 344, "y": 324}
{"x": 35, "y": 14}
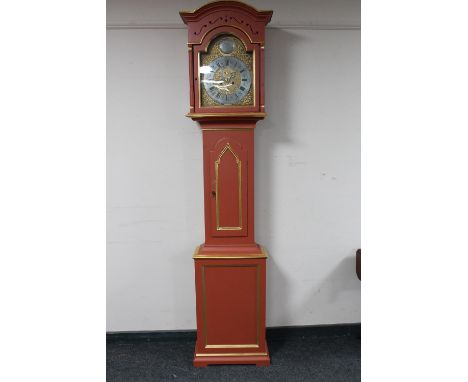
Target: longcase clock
{"x": 226, "y": 71}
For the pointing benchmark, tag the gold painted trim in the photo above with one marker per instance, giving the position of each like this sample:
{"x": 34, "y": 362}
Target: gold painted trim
{"x": 232, "y": 346}
{"x": 256, "y": 256}
{"x": 226, "y": 129}
{"x": 202, "y": 115}
{"x": 239, "y": 180}
{"x": 227, "y": 354}
{"x": 257, "y": 310}
{"x": 254, "y": 69}
{"x": 204, "y": 304}
{"x": 263, "y": 255}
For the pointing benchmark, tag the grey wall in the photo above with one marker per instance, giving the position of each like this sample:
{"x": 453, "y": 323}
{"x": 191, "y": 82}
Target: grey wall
{"x": 307, "y": 166}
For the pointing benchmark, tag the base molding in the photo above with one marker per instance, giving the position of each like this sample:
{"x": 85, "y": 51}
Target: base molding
{"x": 231, "y": 357}
{"x": 259, "y": 359}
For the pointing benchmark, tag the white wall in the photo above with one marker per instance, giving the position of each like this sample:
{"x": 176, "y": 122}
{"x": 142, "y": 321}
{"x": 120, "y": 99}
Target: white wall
{"x": 307, "y": 166}
{"x": 338, "y": 13}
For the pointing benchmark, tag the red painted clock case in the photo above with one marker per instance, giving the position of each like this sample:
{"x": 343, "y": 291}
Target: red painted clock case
{"x": 230, "y": 267}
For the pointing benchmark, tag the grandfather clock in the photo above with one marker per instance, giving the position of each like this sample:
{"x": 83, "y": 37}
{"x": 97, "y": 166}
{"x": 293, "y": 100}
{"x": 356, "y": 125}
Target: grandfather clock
{"x": 226, "y": 61}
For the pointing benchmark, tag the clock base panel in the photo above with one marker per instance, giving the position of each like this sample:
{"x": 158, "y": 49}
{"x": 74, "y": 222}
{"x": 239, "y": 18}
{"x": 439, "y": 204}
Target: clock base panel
{"x": 230, "y": 296}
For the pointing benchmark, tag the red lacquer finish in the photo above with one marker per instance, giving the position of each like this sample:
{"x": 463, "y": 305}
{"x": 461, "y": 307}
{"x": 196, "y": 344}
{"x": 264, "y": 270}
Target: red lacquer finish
{"x": 230, "y": 311}
{"x": 230, "y": 267}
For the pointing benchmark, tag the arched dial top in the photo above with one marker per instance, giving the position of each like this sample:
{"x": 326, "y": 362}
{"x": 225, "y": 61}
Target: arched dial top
{"x": 226, "y": 73}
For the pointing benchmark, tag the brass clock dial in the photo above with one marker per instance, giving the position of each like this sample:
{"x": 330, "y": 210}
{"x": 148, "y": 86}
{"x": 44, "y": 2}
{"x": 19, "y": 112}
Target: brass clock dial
{"x": 227, "y": 80}
{"x": 225, "y": 71}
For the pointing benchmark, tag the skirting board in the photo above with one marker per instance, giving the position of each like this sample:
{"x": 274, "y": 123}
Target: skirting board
{"x": 273, "y": 333}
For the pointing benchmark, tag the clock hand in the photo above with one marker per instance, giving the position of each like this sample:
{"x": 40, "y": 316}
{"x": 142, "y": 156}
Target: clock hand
{"x": 212, "y": 81}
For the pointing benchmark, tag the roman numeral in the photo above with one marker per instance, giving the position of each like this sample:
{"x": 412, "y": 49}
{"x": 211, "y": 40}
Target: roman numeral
{"x": 242, "y": 88}
{"x": 243, "y": 70}
{"x": 244, "y": 79}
